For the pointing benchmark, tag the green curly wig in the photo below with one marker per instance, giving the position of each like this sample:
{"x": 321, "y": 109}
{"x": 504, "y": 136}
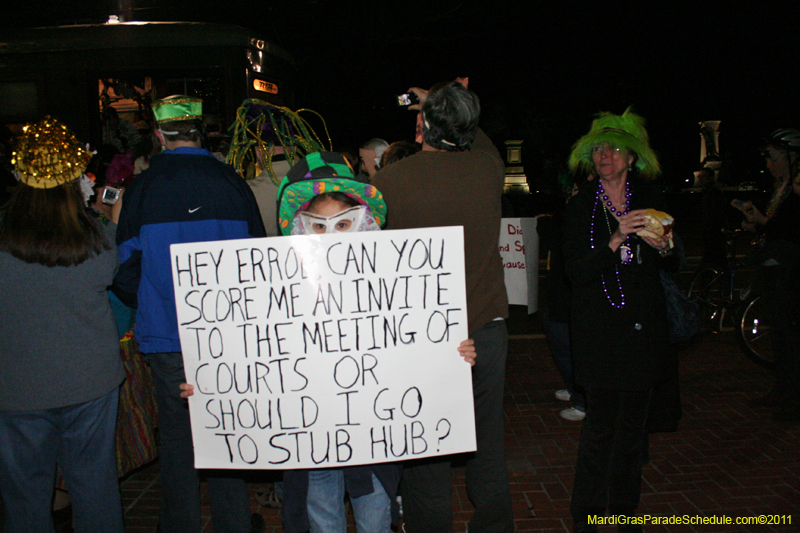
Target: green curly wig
{"x": 260, "y": 124}
{"x": 625, "y": 131}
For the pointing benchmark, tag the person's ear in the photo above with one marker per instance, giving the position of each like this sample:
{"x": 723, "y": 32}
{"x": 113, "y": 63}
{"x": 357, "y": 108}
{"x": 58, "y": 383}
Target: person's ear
{"x": 419, "y": 137}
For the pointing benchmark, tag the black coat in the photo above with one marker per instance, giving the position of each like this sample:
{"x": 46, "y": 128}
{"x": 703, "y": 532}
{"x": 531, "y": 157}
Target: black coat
{"x": 627, "y": 348}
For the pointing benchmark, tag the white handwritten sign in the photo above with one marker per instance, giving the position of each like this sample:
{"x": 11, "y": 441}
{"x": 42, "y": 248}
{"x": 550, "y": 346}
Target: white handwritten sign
{"x": 519, "y": 249}
{"x": 325, "y": 351}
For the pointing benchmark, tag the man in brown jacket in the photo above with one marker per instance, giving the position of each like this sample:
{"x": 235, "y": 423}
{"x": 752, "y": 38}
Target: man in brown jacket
{"x": 457, "y": 180}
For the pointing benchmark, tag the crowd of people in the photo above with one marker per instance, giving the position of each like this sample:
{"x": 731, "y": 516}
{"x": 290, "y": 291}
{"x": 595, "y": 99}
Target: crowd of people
{"x": 62, "y": 248}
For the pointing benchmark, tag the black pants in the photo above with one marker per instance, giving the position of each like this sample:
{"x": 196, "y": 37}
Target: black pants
{"x": 609, "y": 470}
{"x": 180, "y": 487}
{"x": 427, "y": 484}
{"x": 780, "y": 292}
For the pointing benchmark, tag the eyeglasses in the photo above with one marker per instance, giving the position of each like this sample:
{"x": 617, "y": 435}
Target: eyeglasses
{"x": 598, "y": 149}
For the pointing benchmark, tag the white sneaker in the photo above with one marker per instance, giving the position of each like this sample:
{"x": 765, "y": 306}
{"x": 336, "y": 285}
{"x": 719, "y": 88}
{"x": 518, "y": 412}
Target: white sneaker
{"x": 563, "y": 395}
{"x": 573, "y": 414}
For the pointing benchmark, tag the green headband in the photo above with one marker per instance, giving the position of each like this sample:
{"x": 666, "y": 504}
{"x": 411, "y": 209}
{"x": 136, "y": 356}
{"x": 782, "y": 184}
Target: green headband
{"x": 176, "y": 108}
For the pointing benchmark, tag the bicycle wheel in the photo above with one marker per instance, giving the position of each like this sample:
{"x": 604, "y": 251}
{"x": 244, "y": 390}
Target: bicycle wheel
{"x": 754, "y": 334}
{"x": 708, "y": 289}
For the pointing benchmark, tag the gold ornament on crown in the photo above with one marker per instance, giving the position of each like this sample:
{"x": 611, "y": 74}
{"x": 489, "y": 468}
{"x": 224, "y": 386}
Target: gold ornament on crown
{"x": 47, "y": 155}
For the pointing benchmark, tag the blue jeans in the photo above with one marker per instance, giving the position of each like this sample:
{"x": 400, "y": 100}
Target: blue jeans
{"x": 326, "y": 512}
{"x": 80, "y": 439}
{"x": 427, "y": 484}
{"x": 558, "y": 340}
{"x": 180, "y": 488}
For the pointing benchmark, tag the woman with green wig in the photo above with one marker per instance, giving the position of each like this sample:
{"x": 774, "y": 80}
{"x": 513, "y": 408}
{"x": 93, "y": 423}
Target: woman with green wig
{"x": 619, "y": 323}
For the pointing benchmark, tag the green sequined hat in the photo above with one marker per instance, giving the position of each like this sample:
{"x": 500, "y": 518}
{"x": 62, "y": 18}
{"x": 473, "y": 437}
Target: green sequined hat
{"x": 178, "y": 107}
{"x": 625, "y": 131}
{"x": 318, "y": 173}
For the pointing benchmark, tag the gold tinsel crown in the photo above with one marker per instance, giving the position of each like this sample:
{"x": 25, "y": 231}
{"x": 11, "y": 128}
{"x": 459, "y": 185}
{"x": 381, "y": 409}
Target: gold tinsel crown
{"x": 47, "y": 155}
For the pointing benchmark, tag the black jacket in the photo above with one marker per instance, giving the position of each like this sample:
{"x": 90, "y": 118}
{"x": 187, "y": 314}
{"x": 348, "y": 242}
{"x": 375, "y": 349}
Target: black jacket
{"x": 627, "y": 348}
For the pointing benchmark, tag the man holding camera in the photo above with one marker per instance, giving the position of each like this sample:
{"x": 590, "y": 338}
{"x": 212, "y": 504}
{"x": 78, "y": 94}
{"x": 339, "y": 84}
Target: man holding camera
{"x": 457, "y": 179}
{"x": 186, "y": 195}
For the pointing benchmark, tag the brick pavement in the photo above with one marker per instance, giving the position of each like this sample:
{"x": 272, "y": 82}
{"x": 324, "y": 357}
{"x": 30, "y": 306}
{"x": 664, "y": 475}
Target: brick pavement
{"x": 727, "y": 459}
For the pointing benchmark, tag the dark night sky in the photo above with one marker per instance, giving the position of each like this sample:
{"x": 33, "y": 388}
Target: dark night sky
{"x": 541, "y": 69}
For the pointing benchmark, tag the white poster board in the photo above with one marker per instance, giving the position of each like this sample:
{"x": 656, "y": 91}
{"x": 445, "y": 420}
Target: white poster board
{"x": 325, "y": 351}
{"x": 519, "y": 248}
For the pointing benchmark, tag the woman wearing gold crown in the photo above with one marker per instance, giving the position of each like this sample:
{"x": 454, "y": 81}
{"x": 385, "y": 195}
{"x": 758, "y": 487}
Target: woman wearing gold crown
{"x": 619, "y": 324}
{"x": 60, "y": 367}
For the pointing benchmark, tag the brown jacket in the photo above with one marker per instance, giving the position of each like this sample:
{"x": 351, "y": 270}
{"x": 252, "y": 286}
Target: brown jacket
{"x": 432, "y": 189}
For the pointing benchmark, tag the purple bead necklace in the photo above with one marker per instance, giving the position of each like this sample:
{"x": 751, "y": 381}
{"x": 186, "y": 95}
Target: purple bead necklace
{"x": 602, "y": 192}
{"x": 625, "y": 250}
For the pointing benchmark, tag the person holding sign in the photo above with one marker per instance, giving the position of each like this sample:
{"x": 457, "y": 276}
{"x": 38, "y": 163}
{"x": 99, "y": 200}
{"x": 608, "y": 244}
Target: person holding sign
{"x": 457, "y": 179}
{"x": 318, "y": 197}
{"x": 185, "y": 196}
{"x": 315, "y": 498}
{"x": 60, "y": 366}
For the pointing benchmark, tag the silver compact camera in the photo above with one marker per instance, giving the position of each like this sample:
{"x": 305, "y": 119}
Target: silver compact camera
{"x": 111, "y": 195}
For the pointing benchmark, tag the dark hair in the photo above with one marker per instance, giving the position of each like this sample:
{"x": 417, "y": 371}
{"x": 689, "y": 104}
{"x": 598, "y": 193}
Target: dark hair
{"x": 50, "y": 227}
{"x": 450, "y": 118}
{"x": 185, "y": 130}
{"x": 334, "y": 196}
{"x": 397, "y": 151}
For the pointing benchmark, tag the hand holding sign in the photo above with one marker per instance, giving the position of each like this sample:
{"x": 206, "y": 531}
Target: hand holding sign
{"x": 325, "y": 351}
